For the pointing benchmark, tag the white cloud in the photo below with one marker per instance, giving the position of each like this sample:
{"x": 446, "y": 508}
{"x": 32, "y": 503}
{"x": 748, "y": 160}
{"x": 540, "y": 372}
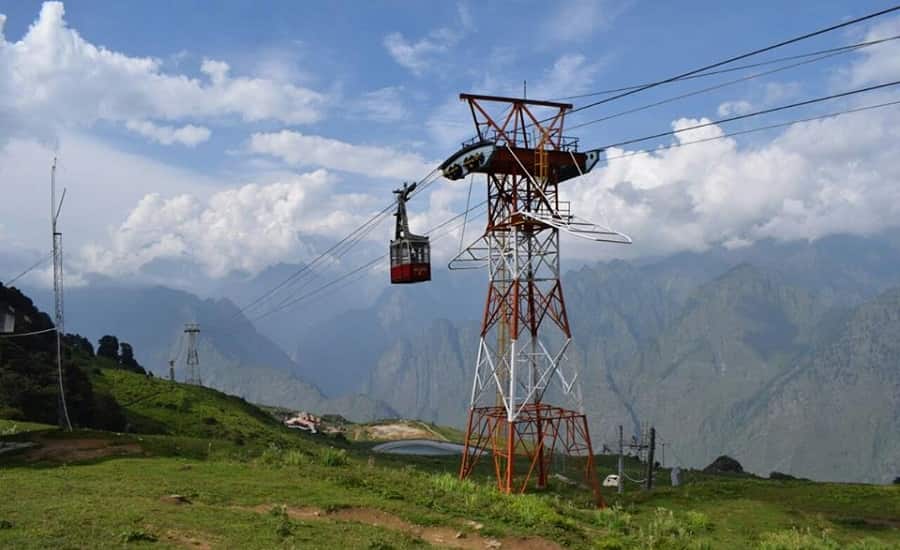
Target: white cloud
{"x": 880, "y": 63}
{"x": 62, "y": 80}
{"x": 384, "y": 105}
{"x": 577, "y": 20}
{"x": 570, "y": 74}
{"x": 817, "y": 178}
{"x": 731, "y": 108}
{"x": 419, "y": 56}
{"x": 102, "y": 183}
{"x": 188, "y": 135}
{"x": 424, "y": 54}
{"x": 298, "y": 149}
{"x": 245, "y": 228}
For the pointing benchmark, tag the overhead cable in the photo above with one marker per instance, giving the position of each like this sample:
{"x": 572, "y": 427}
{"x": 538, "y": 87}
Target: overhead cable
{"x": 839, "y": 49}
{"x": 29, "y": 269}
{"x": 739, "y": 57}
{"x": 712, "y": 88}
{"x": 753, "y": 114}
{"x": 756, "y": 129}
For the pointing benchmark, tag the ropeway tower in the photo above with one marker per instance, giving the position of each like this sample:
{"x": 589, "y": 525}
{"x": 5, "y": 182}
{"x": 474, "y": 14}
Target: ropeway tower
{"x": 521, "y": 362}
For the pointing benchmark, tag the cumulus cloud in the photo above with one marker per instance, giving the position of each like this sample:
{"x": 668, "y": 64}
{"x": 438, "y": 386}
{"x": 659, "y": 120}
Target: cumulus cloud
{"x": 63, "y": 80}
{"x": 298, "y": 149}
{"x": 245, "y": 228}
{"x": 879, "y": 63}
{"x": 816, "y": 178}
{"x": 188, "y": 135}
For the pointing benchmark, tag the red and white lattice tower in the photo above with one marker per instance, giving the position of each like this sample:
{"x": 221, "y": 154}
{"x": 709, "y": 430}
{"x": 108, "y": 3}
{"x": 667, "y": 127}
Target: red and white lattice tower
{"x": 525, "y": 329}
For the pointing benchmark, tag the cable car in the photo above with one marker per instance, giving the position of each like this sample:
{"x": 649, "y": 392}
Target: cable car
{"x": 410, "y": 254}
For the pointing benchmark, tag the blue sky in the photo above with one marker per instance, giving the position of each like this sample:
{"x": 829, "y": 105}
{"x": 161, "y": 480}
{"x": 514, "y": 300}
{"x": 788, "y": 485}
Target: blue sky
{"x": 173, "y": 156}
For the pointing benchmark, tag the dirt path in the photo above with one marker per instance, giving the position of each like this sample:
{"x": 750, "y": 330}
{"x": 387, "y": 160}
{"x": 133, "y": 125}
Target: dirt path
{"x": 398, "y": 431}
{"x": 446, "y": 537}
{"x": 75, "y": 450}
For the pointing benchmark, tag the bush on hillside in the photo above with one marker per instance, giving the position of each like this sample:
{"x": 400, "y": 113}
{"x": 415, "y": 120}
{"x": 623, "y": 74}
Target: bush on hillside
{"x": 724, "y": 465}
{"x": 108, "y": 347}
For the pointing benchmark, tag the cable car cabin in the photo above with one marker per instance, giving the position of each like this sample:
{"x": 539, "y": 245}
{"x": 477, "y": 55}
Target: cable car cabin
{"x": 410, "y": 254}
{"x": 410, "y": 260}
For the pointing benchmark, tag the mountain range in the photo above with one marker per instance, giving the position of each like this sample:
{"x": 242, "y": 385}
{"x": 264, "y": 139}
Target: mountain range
{"x": 783, "y": 355}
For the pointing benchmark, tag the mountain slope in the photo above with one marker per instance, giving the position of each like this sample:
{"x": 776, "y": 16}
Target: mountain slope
{"x": 234, "y": 356}
{"x": 847, "y": 392}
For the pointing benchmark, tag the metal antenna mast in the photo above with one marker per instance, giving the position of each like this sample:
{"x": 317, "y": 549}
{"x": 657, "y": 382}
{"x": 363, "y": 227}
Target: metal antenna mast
{"x": 192, "y": 330}
{"x": 525, "y": 329}
{"x": 55, "y": 208}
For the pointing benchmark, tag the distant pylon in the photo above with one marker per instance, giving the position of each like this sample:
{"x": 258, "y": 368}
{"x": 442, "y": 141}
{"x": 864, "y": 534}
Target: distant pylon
{"x": 192, "y": 330}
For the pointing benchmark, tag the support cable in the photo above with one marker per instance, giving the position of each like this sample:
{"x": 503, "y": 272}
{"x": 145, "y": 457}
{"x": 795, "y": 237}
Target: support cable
{"x": 369, "y": 264}
{"x": 33, "y": 333}
{"x": 756, "y": 129}
{"x": 739, "y": 57}
{"x": 712, "y": 88}
{"x": 462, "y": 234}
{"x": 346, "y": 242}
{"x": 839, "y": 49}
{"x": 753, "y": 114}
{"x": 31, "y": 268}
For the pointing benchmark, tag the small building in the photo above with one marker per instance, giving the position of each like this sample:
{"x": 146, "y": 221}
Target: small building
{"x": 7, "y": 318}
{"x": 304, "y": 421}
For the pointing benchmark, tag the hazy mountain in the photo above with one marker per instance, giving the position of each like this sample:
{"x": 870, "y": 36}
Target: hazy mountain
{"x": 234, "y": 356}
{"x": 704, "y": 345}
{"x": 836, "y": 414}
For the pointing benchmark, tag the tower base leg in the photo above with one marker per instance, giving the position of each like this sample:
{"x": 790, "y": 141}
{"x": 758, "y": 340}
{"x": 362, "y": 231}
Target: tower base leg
{"x": 523, "y": 449}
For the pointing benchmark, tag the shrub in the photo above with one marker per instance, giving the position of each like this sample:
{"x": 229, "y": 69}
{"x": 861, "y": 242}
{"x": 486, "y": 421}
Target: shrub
{"x": 333, "y": 457}
{"x": 531, "y": 510}
{"x": 697, "y": 522}
{"x": 138, "y": 535}
{"x": 869, "y": 544}
{"x": 796, "y": 539}
{"x": 293, "y": 457}
{"x": 666, "y": 530}
{"x": 283, "y": 526}
{"x": 615, "y": 520}
{"x": 271, "y": 455}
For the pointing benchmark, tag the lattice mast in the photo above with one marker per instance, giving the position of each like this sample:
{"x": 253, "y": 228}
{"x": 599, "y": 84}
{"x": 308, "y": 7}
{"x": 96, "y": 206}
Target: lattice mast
{"x": 525, "y": 329}
{"x": 192, "y": 331}
{"x": 62, "y": 412}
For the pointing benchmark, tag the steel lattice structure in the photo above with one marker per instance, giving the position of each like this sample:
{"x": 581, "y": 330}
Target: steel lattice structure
{"x": 525, "y": 329}
{"x": 192, "y": 330}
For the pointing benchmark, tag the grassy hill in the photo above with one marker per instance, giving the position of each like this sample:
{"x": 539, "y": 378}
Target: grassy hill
{"x": 207, "y": 470}
{"x": 158, "y": 406}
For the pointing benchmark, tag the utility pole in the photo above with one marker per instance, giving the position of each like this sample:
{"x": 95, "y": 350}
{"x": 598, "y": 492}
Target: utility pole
{"x": 621, "y": 487}
{"x": 650, "y": 458}
{"x": 62, "y": 412}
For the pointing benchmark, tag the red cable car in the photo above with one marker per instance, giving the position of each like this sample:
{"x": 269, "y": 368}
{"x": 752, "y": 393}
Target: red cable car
{"x": 410, "y": 254}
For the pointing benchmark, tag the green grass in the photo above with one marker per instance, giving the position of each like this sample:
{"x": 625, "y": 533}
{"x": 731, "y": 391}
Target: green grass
{"x": 244, "y": 473}
{"x": 13, "y": 427}
{"x": 158, "y": 406}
